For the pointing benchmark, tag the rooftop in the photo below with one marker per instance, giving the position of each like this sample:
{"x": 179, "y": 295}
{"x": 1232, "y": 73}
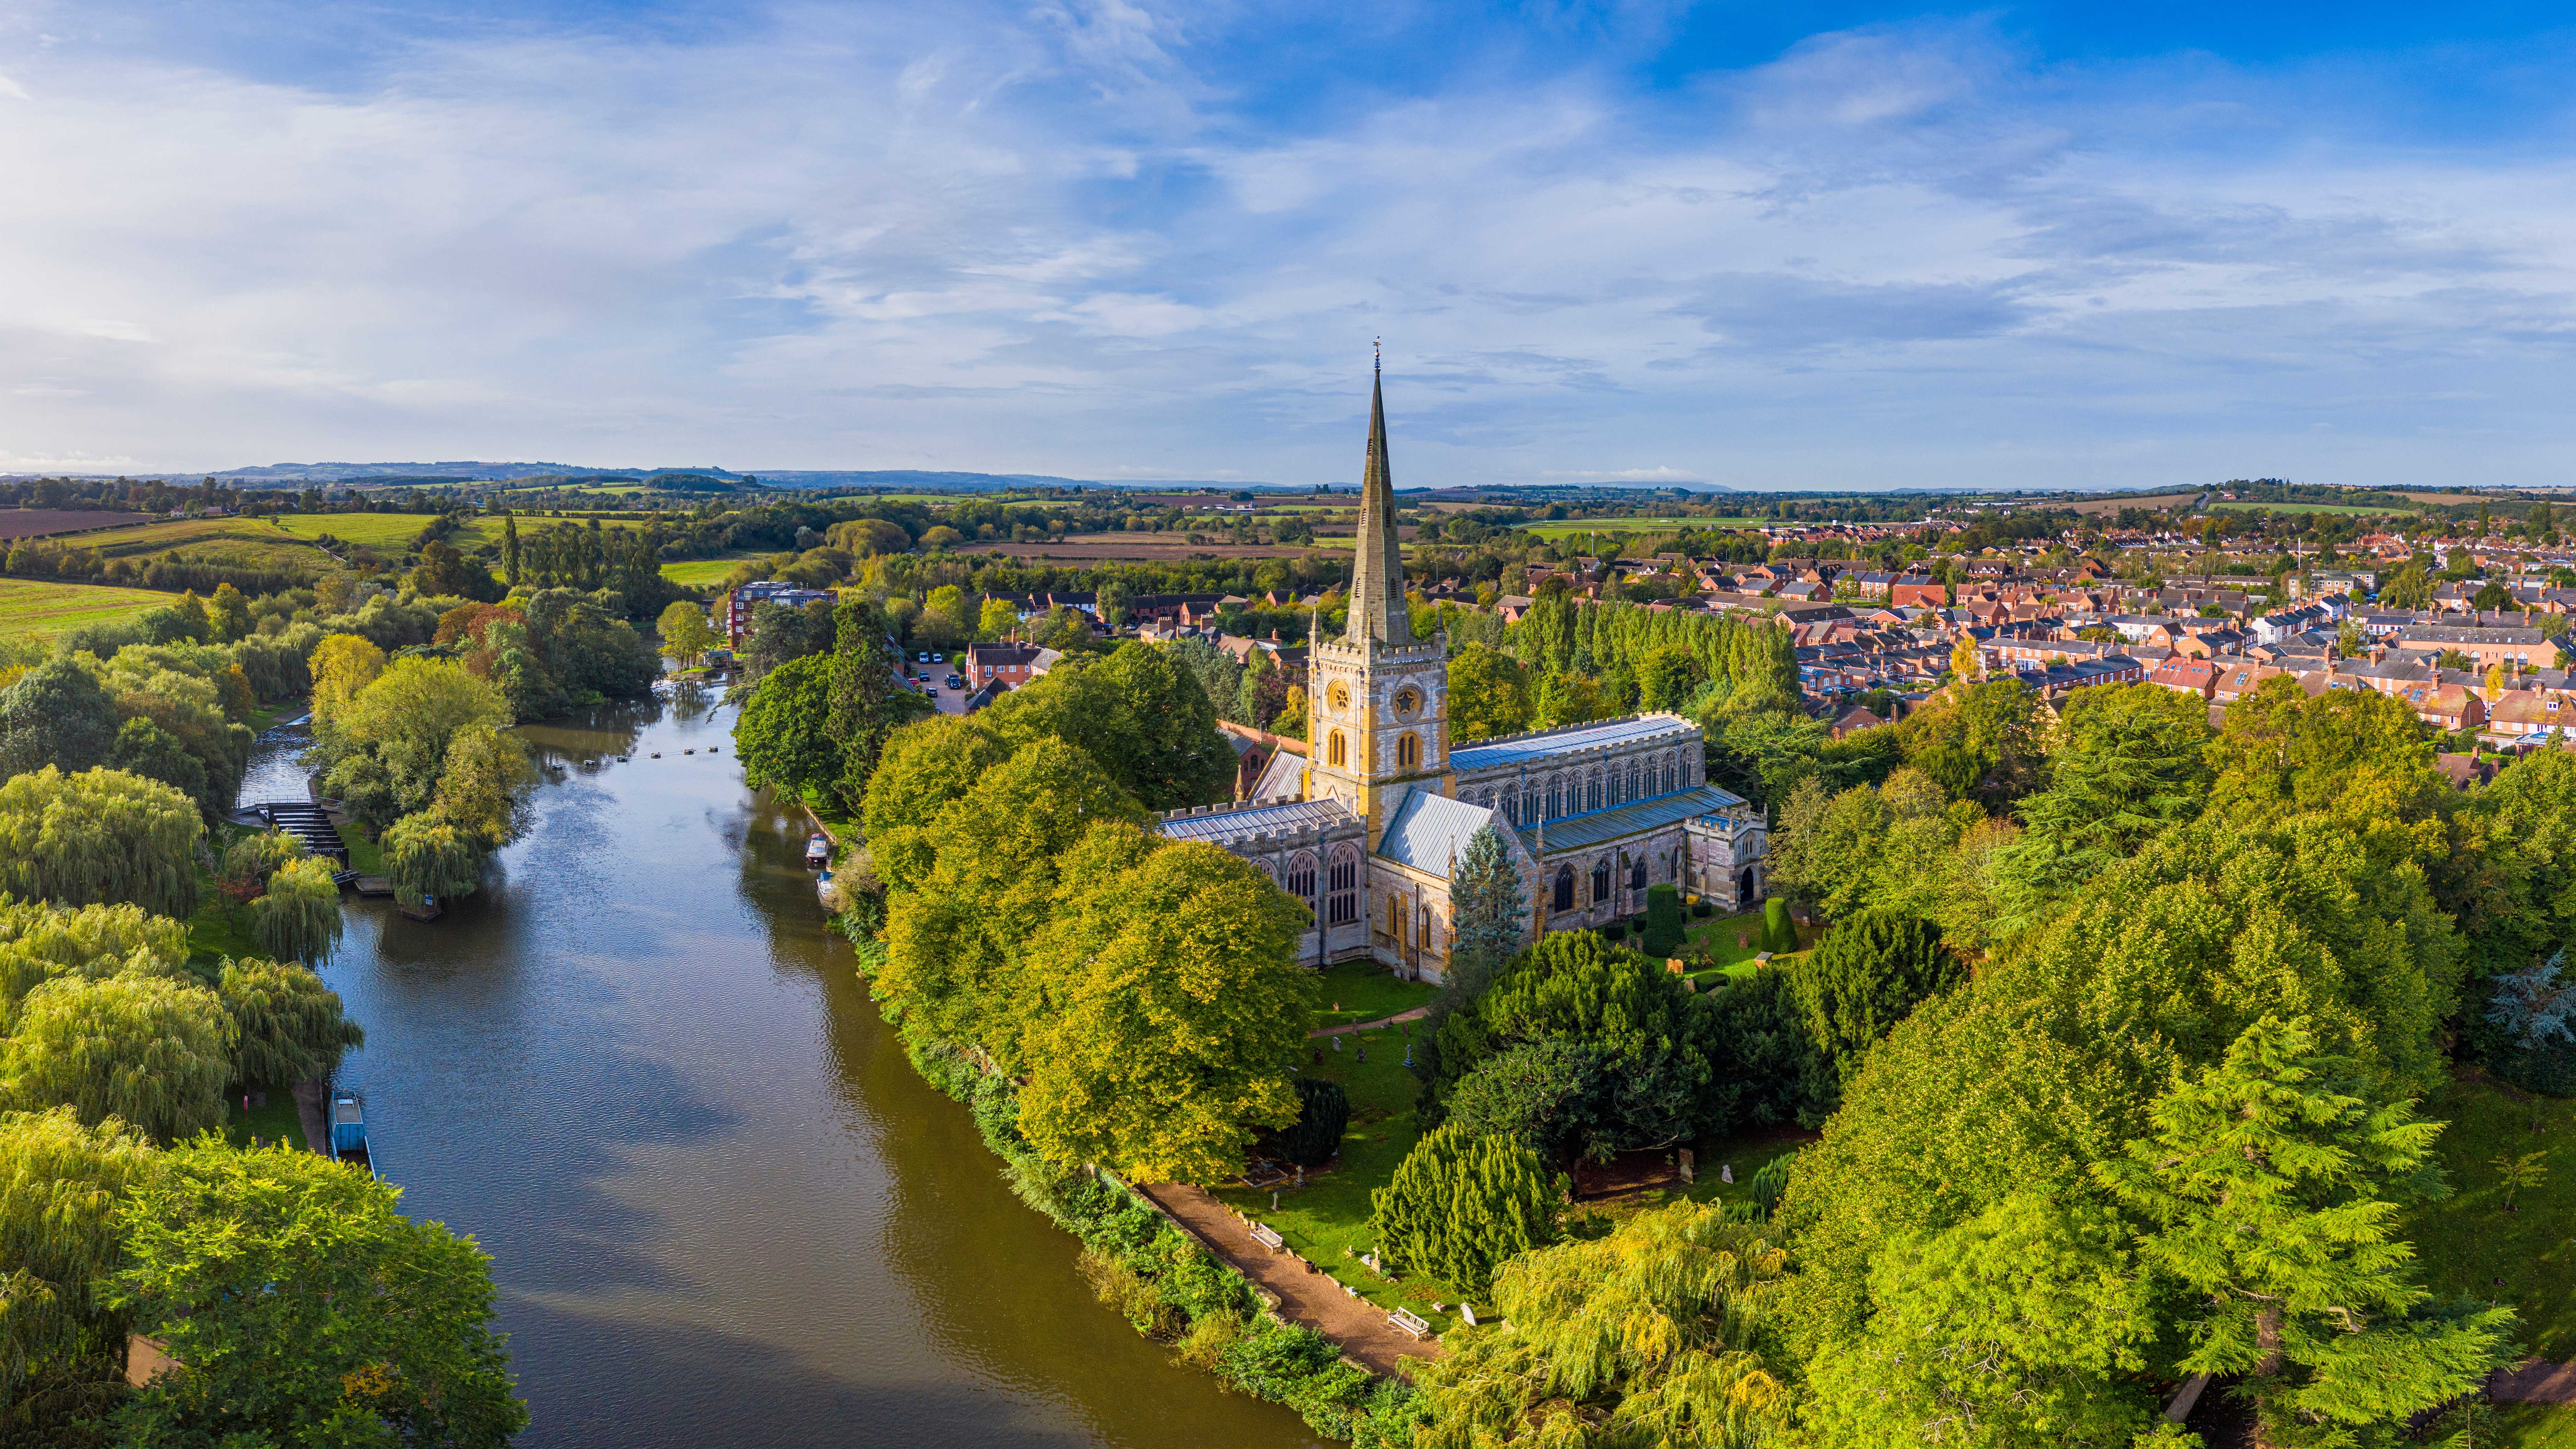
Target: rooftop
{"x": 1430, "y": 830}
{"x": 1546, "y": 744}
{"x": 1580, "y": 832}
{"x": 1279, "y": 818}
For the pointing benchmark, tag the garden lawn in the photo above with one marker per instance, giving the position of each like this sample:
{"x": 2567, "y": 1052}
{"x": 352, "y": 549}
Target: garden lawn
{"x": 699, "y": 572}
{"x": 1721, "y": 939}
{"x": 1330, "y": 1213}
{"x": 1366, "y": 991}
{"x": 43, "y": 608}
{"x": 2536, "y": 1426}
{"x": 2467, "y": 1242}
{"x": 365, "y": 856}
{"x": 273, "y": 1121}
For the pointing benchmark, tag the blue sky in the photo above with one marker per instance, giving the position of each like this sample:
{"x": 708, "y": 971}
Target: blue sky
{"x": 1782, "y": 245}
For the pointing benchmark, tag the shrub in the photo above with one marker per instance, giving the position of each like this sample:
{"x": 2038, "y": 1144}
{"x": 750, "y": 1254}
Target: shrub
{"x": 1324, "y": 1111}
{"x": 1204, "y": 1346}
{"x": 1273, "y": 1361}
{"x": 1663, "y": 927}
{"x": 1777, "y": 932}
{"x": 1614, "y": 931}
{"x": 1769, "y": 1181}
{"x": 1129, "y": 1293}
{"x": 1703, "y": 910}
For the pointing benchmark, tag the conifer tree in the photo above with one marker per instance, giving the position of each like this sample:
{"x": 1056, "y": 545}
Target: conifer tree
{"x": 1488, "y": 910}
{"x": 1460, "y": 1206}
{"x": 2275, "y": 1195}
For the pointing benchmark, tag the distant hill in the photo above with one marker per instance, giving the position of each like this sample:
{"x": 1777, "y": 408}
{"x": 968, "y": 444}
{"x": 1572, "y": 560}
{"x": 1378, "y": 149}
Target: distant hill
{"x": 697, "y": 479}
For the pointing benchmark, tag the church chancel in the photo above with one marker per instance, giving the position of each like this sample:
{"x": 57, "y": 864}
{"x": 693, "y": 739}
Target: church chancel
{"x": 1591, "y": 814}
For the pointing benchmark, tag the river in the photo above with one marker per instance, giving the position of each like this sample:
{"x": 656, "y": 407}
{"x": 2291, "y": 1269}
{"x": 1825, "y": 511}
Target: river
{"x": 722, "y": 1208}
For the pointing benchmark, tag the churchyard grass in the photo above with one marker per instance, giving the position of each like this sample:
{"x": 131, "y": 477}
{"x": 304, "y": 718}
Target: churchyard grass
{"x": 2467, "y": 1242}
{"x": 1366, "y": 991}
{"x": 2536, "y": 1426}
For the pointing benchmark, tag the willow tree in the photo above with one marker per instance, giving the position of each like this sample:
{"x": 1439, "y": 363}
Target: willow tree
{"x": 426, "y": 856}
{"x": 483, "y": 787}
{"x": 299, "y": 918}
{"x": 40, "y": 941}
{"x": 1658, "y": 1334}
{"x": 61, "y": 1356}
{"x": 154, "y": 1051}
{"x": 291, "y": 1028}
{"x": 100, "y": 835}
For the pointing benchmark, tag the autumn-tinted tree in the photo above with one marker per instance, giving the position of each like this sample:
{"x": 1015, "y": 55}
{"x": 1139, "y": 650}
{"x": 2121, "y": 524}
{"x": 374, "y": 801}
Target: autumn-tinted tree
{"x": 1177, "y": 1013}
{"x": 99, "y": 836}
{"x": 483, "y": 787}
{"x": 304, "y": 1307}
{"x": 341, "y": 665}
{"x": 152, "y": 1050}
{"x": 2274, "y": 1184}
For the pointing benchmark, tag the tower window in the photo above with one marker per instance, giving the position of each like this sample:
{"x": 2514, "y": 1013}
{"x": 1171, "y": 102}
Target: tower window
{"x": 1341, "y": 697}
{"x": 1336, "y": 753}
{"x": 1408, "y": 751}
{"x": 1408, "y": 702}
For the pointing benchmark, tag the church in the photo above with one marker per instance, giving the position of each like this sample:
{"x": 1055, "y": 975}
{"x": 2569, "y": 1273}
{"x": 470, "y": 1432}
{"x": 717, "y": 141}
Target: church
{"x": 1367, "y": 827}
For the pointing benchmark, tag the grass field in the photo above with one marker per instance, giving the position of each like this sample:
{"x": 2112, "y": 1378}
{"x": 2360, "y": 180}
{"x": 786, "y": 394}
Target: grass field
{"x": 43, "y": 608}
{"x": 2469, "y": 1244}
{"x": 1364, "y": 991}
{"x": 383, "y": 530}
{"x": 698, "y": 572}
{"x": 2536, "y": 1426}
{"x": 2308, "y": 508}
{"x": 1631, "y": 525}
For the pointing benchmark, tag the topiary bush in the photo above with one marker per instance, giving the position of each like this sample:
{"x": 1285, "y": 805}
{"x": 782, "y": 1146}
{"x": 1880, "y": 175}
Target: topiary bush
{"x": 1663, "y": 928}
{"x": 1703, "y": 910}
{"x": 1614, "y": 931}
{"x": 1459, "y": 1206}
{"x": 1324, "y": 1111}
{"x": 1778, "y": 934}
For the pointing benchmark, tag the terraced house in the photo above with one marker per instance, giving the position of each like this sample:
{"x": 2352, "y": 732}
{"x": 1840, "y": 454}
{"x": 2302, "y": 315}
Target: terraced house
{"x": 1591, "y": 814}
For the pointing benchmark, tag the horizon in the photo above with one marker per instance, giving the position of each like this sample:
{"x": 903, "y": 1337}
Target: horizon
{"x": 1828, "y": 248}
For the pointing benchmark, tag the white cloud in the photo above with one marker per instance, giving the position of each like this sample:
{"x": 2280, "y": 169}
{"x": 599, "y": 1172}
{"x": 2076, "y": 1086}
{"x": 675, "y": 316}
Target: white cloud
{"x": 1062, "y": 240}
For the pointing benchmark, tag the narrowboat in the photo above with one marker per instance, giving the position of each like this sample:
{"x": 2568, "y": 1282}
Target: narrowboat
{"x": 349, "y": 1130}
{"x": 818, "y": 852}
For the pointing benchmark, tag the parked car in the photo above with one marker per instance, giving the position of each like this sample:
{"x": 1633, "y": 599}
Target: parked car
{"x": 956, "y": 682}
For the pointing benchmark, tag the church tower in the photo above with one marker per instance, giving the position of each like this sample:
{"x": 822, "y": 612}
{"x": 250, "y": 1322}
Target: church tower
{"x": 1378, "y": 697}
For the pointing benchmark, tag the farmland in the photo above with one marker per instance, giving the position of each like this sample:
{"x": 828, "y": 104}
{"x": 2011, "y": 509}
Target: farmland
{"x": 1576, "y": 527}
{"x": 43, "y": 608}
{"x": 2114, "y": 505}
{"x": 2309, "y": 508}
{"x": 44, "y": 522}
{"x": 697, "y": 573}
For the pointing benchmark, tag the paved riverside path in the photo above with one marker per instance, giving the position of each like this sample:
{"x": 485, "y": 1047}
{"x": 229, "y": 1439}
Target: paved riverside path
{"x": 1416, "y": 1014}
{"x": 1313, "y": 1299}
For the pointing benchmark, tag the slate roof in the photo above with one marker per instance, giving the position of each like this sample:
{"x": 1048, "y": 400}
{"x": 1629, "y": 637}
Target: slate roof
{"x": 1581, "y": 832}
{"x": 1429, "y": 830}
{"x": 1277, "y": 819}
{"x": 1548, "y": 744}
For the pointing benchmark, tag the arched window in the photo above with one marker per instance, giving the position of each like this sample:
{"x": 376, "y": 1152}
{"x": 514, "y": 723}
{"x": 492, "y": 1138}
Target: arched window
{"x": 1637, "y": 875}
{"x": 1336, "y": 753}
{"x": 1529, "y": 805}
{"x": 1592, "y": 793}
{"x": 1301, "y": 876}
{"x": 1408, "y": 750}
{"x": 1344, "y": 881}
{"x": 1512, "y": 808}
{"x": 1601, "y": 880}
{"x": 1672, "y": 775}
{"x": 1633, "y": 792}
{"x": 1555, "y": 801}
{"x": 1564, "y": 888}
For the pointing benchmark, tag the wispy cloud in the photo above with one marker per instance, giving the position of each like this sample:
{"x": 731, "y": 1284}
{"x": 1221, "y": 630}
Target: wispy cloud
{"x": 1092, "y": 239}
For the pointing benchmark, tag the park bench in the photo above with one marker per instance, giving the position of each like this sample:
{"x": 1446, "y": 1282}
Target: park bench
{"x": 1268, "y": 1238}
{"x": 1410, "y": 1321}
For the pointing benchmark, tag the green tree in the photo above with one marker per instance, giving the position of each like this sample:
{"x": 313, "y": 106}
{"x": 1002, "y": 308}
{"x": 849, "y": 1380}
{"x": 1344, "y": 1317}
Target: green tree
{"x": 1865, "y": 976}
{"x": 1659, "y": 1333}
{"x": 153, "y": 753}
{"x": 387, "y": 748}
{"x": 510, "y": 548}
{"x": 2129, "y": 763}
{"x": 1139, "y": 713}
{"x": 868, "y": 702}
{"x": 298, "y": 917}
{"x": 996, "y": 619}
{"x": 2410, "y": 589}
{"x": 1323, "y": 1111}
{"x": 2275, "y": 1187}
{"x": 1549, "y": 1096}
{"x": 782, "y": 735}
{"x": 1980, "y": 741}
{"x": 1668, "y": 677}
{"x": 927, "y": 767}
{"x": 1459, "y": 1207}
{"x": 686, "y": 634}
{"x": 304, "y": 1308}
{"x": 291, "y": 1028}
{"x": 1175, "y": 1017}
{"x": 1489, "y": 695}
{"x": 483, "y": 787}
{"x": 1488, "y": 910}
{"x": 1664, "y": 920}
{"x": 341, "y": 665}
{"x": 40, "y": 941}
{"x": 56, "y": 714}
{"x": 61, "y": 1356}
{"x": 427, "y": 856}
{"x": 99, "y": 836}
{"x": 2026, "y": 1327}
{"x": 151, "y": 1050}
{"x": 227, "y": 614}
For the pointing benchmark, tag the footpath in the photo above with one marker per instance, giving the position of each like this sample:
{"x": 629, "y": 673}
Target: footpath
{"x": 1307, "y": 1295}
{"x": 1416, "y": 1014}
{"x": 2534, "y": 1381}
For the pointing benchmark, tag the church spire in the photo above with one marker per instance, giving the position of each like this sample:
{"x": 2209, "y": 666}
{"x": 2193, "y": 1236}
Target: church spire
{"x": 1377, "y": 577}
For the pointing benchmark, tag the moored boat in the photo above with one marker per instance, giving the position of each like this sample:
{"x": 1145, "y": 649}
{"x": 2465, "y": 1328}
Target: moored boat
{"x": 349, "y": 1142}
{"x": 818, "y": 852}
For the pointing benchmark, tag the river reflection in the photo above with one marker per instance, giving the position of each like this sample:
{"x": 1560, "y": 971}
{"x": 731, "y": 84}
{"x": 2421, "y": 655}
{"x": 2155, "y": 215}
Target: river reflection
{"x": 722, "y": 1207}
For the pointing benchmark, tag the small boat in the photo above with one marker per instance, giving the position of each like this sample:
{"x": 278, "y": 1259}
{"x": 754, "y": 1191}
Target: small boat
{"x": 823, "y": 889}
{"x": 818, "y": 851}
{"x": 349, "y": 1130}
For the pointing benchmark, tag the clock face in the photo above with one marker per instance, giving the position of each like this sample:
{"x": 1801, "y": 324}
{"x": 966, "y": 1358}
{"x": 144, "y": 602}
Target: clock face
{"x": 1408, "y": 703}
